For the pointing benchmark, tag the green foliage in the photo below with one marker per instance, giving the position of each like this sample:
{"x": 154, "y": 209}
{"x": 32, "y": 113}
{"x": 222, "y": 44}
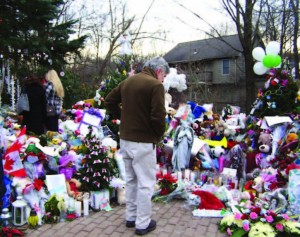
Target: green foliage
{"x": 99, "y": 166}
{"x": 32, "y": 36}
{"x": 116, "y": 74}
{"x": 75, "y": 89}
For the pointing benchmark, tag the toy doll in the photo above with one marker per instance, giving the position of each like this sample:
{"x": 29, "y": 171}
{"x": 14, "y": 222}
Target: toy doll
{"x": 67, "y": 168}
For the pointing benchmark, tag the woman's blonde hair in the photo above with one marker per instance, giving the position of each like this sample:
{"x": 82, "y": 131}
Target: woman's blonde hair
{"x": 58, "y": 87}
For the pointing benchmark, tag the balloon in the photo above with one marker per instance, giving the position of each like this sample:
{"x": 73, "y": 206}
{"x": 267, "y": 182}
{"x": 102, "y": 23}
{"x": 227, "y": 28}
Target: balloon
{"x": 277, "y": 61}
{"x": 259, "y": 68}
{"x": 273, "y": 48}
{"x": 258, "y": 53}
{"x": 268, "y": 61}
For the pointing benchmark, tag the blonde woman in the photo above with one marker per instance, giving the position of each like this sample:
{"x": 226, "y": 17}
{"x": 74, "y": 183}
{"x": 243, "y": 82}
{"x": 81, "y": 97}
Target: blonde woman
{"x": 54, "y": 95}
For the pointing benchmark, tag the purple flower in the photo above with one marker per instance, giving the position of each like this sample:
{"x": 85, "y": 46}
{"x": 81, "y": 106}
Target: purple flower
{"x": 229, "y": 232}
{"x": 279, "y": 227}
{"x": 269, "y": 219}
{"x": 272, "y": 72}
{"x": 246, "y": 226}
{"x": 286, "y": 217}
{"x": 253, "y": 215}
{"x": 284, "y": 82}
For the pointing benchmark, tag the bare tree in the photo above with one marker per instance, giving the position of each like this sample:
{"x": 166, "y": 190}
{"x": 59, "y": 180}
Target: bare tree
{"x": 295, "y": 8}
{"x": 106, "y": 26}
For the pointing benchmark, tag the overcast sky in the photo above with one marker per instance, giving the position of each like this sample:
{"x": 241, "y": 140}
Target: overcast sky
{"x": 180, "y": 24}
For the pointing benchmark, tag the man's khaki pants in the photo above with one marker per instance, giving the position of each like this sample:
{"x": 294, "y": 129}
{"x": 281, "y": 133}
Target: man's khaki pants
{"x": 140, "y": 167}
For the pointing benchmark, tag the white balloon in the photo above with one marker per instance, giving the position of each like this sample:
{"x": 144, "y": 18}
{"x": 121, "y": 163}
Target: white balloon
{"x": 273, "y": 48}
{"x": 259, "y": 68}
{"x": 258, "y": 53}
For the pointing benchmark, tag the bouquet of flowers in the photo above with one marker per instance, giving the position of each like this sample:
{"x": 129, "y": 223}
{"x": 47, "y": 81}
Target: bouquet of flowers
{"x": 167, "y": 183}
{"x": 258, "y": 222}
{"x": 181, "y": 189}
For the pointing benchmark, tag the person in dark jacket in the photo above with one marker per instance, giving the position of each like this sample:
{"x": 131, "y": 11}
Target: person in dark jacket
{"x": 140, "y": 104}
{"x": 34, "y": 119}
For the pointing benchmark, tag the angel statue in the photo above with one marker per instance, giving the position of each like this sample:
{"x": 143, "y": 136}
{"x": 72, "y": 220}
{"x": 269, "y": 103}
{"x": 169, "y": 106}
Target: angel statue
{"x": 125, "y": 44}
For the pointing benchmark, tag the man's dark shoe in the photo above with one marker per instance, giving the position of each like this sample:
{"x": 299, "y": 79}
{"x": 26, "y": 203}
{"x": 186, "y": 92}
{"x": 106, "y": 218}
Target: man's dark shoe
{"x": 130, "y": 224}
{"x": 151, "y": 226}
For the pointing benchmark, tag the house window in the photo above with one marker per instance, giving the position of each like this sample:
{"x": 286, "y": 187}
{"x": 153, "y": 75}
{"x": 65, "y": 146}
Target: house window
{"x": 225, "y": 67}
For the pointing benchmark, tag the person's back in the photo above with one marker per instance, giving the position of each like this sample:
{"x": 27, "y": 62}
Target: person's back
{"x": 142, "y": 119}
{"x": 34, "y": 118}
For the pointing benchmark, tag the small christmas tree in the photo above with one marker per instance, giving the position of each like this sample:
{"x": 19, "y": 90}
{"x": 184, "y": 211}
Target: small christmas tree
{"x": 99, "y": 167}
{"x": 279, "y": 95}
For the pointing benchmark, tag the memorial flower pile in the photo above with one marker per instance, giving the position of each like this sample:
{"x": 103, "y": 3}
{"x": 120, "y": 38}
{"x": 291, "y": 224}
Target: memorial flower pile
{"x": 259, "y": 222}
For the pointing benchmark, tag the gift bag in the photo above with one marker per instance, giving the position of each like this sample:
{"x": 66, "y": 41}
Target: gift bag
{"x": 50, "y": 110}
{"x": 23, "y": 103}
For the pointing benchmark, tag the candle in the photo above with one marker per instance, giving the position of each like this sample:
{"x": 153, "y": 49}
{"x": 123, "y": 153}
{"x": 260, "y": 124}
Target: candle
{"x": 179, "y": 175}
{"x": 85, "y": 207}
{"x": 97, "y": 201}
{"x": 174, "y": 175}
{"x": 164, "y": 171}
{"x": 158, "y": 171}
{"x": 187, "y": 174}
{"x": 193, "y": 176}
{"x": 71, "y": 204}
{"x": 78, "y": 208}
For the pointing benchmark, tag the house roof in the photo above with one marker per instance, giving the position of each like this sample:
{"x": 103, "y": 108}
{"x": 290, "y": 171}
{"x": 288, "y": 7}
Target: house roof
{"x": 206, "y": 49}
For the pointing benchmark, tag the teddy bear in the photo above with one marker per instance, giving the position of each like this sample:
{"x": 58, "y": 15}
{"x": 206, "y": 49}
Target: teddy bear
{"x": 264, "y": 147}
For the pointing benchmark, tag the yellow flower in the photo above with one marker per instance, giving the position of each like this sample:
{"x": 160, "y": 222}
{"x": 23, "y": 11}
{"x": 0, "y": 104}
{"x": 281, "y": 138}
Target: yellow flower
{"x": 227, "y": 220}
{"x": 291, "y": 226}
{"x": 124, "y": 72}
{"x": 261, "y": 229}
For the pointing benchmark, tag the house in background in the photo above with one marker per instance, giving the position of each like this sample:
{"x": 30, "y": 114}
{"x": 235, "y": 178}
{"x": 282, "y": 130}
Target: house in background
{"x": 214, "y": 70}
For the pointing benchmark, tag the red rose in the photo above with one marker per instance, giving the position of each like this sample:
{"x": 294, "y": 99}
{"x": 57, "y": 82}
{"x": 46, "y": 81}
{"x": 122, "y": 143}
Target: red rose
{"x": 245, "y": 217}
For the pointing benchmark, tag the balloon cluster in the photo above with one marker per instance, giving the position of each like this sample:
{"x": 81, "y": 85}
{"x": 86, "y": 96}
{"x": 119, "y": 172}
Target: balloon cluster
{"x": 268, "y": 59}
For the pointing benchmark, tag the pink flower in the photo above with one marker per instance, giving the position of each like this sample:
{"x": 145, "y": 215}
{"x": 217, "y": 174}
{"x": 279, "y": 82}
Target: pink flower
{"x": 246, "y": 226}
{"x": 286, "y": 217}
{"x": 253, "y": 215}
{"x": 269, "y": 219}
{"x": 229, "y": 232}
{"x": 279, "y": 226}
{"x": 237, "y": 216}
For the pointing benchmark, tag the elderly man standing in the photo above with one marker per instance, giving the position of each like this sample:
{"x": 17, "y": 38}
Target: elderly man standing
{"x": 140, "y": 104}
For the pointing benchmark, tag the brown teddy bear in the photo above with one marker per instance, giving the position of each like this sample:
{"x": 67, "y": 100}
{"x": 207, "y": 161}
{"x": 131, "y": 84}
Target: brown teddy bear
{"x": 264, "y": 142}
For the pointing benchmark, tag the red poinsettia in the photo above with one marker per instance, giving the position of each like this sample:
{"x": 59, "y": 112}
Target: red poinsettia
{"x": 167, "y": 183}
